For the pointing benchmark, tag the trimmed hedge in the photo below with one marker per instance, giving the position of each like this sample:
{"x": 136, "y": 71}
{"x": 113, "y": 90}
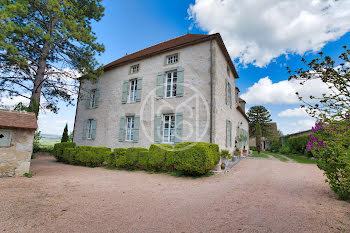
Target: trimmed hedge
{"x": 197, "y": 159}
{"x": 160, "y": 157}
{"x": 58, "y": 149}
{"x": 188, "y": 158}
{"x": 111, "y": 159}
{"x": 131, "y": 158}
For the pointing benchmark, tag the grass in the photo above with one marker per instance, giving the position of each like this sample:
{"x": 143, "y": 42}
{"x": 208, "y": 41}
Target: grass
{"x": 302, "y": 159}
{"x": 28, "y": 175}
{"x": 279, "y": 157}
{"x": 261, "y": 155}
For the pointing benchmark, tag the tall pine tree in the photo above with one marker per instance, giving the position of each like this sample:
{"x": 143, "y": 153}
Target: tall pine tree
{"x": 44, "y": 46}
{"x": 259, "y": 117}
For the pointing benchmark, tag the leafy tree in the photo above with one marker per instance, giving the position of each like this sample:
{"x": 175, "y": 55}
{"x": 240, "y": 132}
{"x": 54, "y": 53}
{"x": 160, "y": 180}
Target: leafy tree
{"x": 65, "y": 136}
{"x": 330, "y": 141}
{"x": 334, "y": 105}
{"x": 70, "y": 137}
{"x": 44, "y": 46}
{"x": 36, "y": 143}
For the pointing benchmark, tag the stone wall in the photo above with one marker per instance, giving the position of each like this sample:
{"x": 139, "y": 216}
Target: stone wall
{"x": 15, "y": 160}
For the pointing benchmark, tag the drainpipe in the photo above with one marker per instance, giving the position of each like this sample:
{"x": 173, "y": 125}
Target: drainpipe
{"x": 211, "y": 92}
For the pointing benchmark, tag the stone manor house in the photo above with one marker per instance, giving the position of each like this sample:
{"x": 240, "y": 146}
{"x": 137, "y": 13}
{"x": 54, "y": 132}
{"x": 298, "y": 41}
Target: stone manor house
{"x": 181, "y": 90}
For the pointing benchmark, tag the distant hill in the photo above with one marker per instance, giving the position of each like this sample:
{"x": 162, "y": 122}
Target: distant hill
{"x": 49, "y": 139}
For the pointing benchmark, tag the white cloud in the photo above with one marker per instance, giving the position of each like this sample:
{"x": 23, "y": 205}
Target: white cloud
{"x": 293, "y": 112}
{"x": 258, "y": 31}
{"x": 296, "y": 126}
{"x": 13, "y": 101}
{"x": 283, "y": 92}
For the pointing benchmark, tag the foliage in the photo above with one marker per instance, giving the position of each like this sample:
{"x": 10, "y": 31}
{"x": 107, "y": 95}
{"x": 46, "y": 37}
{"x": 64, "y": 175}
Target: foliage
{"x": 275, "y": 145}
{"x": 65, "y": 136}
{"x": 44, "y": 46}
{"x": 335, "y": 104}
{"x": 91, "y": 156}
{"x": 302, "y": 159}
{"x": 36, "y": 143}
{"x": 111, "y": 159}
{"x": 331, "y": 144}
{"x": 28, "y": 175}
{"x": 142, "y": 162}
{"x": 197, "y": 159}
{"x": 284, "y": 149}
{"x": 297, "y": 145}
{"x": 259, "y": 155}
{"x": 158, "y": 157}
{"x": 225, "y": 154}
{"x": 253, "y": 148}
{"x": 70, "y": 137}
{"x": 59, "y": 147}
{"x": 259, "y": 116}
{"x": 131, "y": 158}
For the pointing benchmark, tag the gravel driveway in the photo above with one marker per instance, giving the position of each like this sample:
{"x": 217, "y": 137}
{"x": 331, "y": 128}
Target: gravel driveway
{"x": 255, "y": 196}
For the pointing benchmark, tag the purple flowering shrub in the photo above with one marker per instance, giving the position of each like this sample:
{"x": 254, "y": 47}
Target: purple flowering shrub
{"x": 330, "y": 143}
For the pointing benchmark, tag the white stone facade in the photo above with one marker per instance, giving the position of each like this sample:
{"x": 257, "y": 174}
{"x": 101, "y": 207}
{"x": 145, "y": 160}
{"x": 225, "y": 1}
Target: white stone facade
{"x": 199, "y": 62}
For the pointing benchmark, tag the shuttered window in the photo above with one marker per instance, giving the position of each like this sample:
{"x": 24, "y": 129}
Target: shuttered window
{"x": 89, "y": 129}
{"x": 170, "y": 83}
{"x": 169, "y": 128}
{"x": 132, "y": 90}
{"x": 93, "y": 98}
{"x": 130, "y": 123}
{"x": 228, "y": 133}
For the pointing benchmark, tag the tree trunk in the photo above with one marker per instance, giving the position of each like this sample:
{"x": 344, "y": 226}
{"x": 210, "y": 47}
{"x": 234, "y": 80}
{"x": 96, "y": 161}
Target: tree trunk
{"x": 38, "y": 81}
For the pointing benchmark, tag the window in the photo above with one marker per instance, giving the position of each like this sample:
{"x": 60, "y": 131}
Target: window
{"x": 228, "y": 70}
{"x": 169, "y": 129}
{"x": 130, "y": 124}
{"x": 132, "y": 90}
{"x": 134, "y": 69}
{"x": 89, "y": 128}
{"x": 171, "y": 81}
{"x": 172, "y": 59}
{"x": 93, "y": 98}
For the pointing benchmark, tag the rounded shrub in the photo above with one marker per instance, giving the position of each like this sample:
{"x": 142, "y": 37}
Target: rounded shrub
{"x": 197, "y": 159}
{"x": 59, "y": 148}
{"x": 131, "y": 157}
{"x": 158, "y": 157}
{"x": 111, "y": 158}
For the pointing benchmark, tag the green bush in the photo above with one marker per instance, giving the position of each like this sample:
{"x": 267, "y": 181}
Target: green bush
{"x": 142, "y": 162}
{"x": 298, "y": 144}
{"x": 158, "y": 156}
{"x": 69, "y": 155}
{"x": 225, "y": 154}
{"x": 91, "y": 156}
{"x": 58, "y": 149}
{"x": 131, "y": 157}
{"x": 253, "y": 148}
{"x": 284, "y": 150}
{"x": 275, "y": 146}
{"x": 196, "y": 160}
{"x": 111, "y": 159}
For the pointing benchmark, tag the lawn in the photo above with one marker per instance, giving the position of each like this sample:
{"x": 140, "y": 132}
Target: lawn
{"x": 295, "y": 157}
{"x": 261, "y": 155}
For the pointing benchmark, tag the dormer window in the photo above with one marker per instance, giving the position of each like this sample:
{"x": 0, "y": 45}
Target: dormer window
{"x": 134, "y": 69}
{"x": 171, "y": 59}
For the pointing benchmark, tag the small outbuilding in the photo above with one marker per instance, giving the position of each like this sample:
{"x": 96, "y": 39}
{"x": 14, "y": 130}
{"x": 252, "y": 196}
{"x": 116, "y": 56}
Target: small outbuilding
{"x": 16, "y": 142}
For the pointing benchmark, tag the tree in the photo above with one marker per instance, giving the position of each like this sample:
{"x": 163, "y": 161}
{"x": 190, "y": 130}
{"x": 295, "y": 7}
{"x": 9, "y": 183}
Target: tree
{"x": 332, "y": 105}
{"x": 65, "y": 136}
{"x": 70, "y": 137}
{"x": 330, "y": 140}
{"x": 259, "y": 117}
{"x": 44, "y": 46}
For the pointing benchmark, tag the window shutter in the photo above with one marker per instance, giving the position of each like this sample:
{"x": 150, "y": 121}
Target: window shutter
{"x": 157, "y": 128}
{"x": 122, "y": 129}
{"x": 125, "y": 92}
{"x": 84, "y": 129}
{"x": 227, "y": 133}
{"x": 97, "y": 96}
{"x": 87, "y": 103}
{"x": 230, "y": 128}
{"x": 160, "y": 85}
{"x": 93, "y": 129}
{"x": 230, "y": 95}
{"x": 139, "y": 90}
{"x": 136, "y": 129}
{"x": 180, "y": 82}
{"x": 226, "y": 91}
{"x": 178, "y": 127}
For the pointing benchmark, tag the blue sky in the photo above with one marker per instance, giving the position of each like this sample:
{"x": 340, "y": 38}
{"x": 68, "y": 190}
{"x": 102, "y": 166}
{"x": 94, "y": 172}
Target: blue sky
{"x": 262, "y": 40}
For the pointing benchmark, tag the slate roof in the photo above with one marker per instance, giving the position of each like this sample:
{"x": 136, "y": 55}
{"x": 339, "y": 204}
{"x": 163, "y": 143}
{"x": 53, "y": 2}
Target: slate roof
{"x": 179, "y": 42}
{"x": 16, "y": 119}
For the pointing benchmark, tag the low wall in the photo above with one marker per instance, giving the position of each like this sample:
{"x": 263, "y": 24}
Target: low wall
{"x": 15, "y": 157}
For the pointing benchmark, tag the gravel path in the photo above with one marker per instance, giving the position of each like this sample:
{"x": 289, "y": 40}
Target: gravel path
{"x": 255, "y": 196}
